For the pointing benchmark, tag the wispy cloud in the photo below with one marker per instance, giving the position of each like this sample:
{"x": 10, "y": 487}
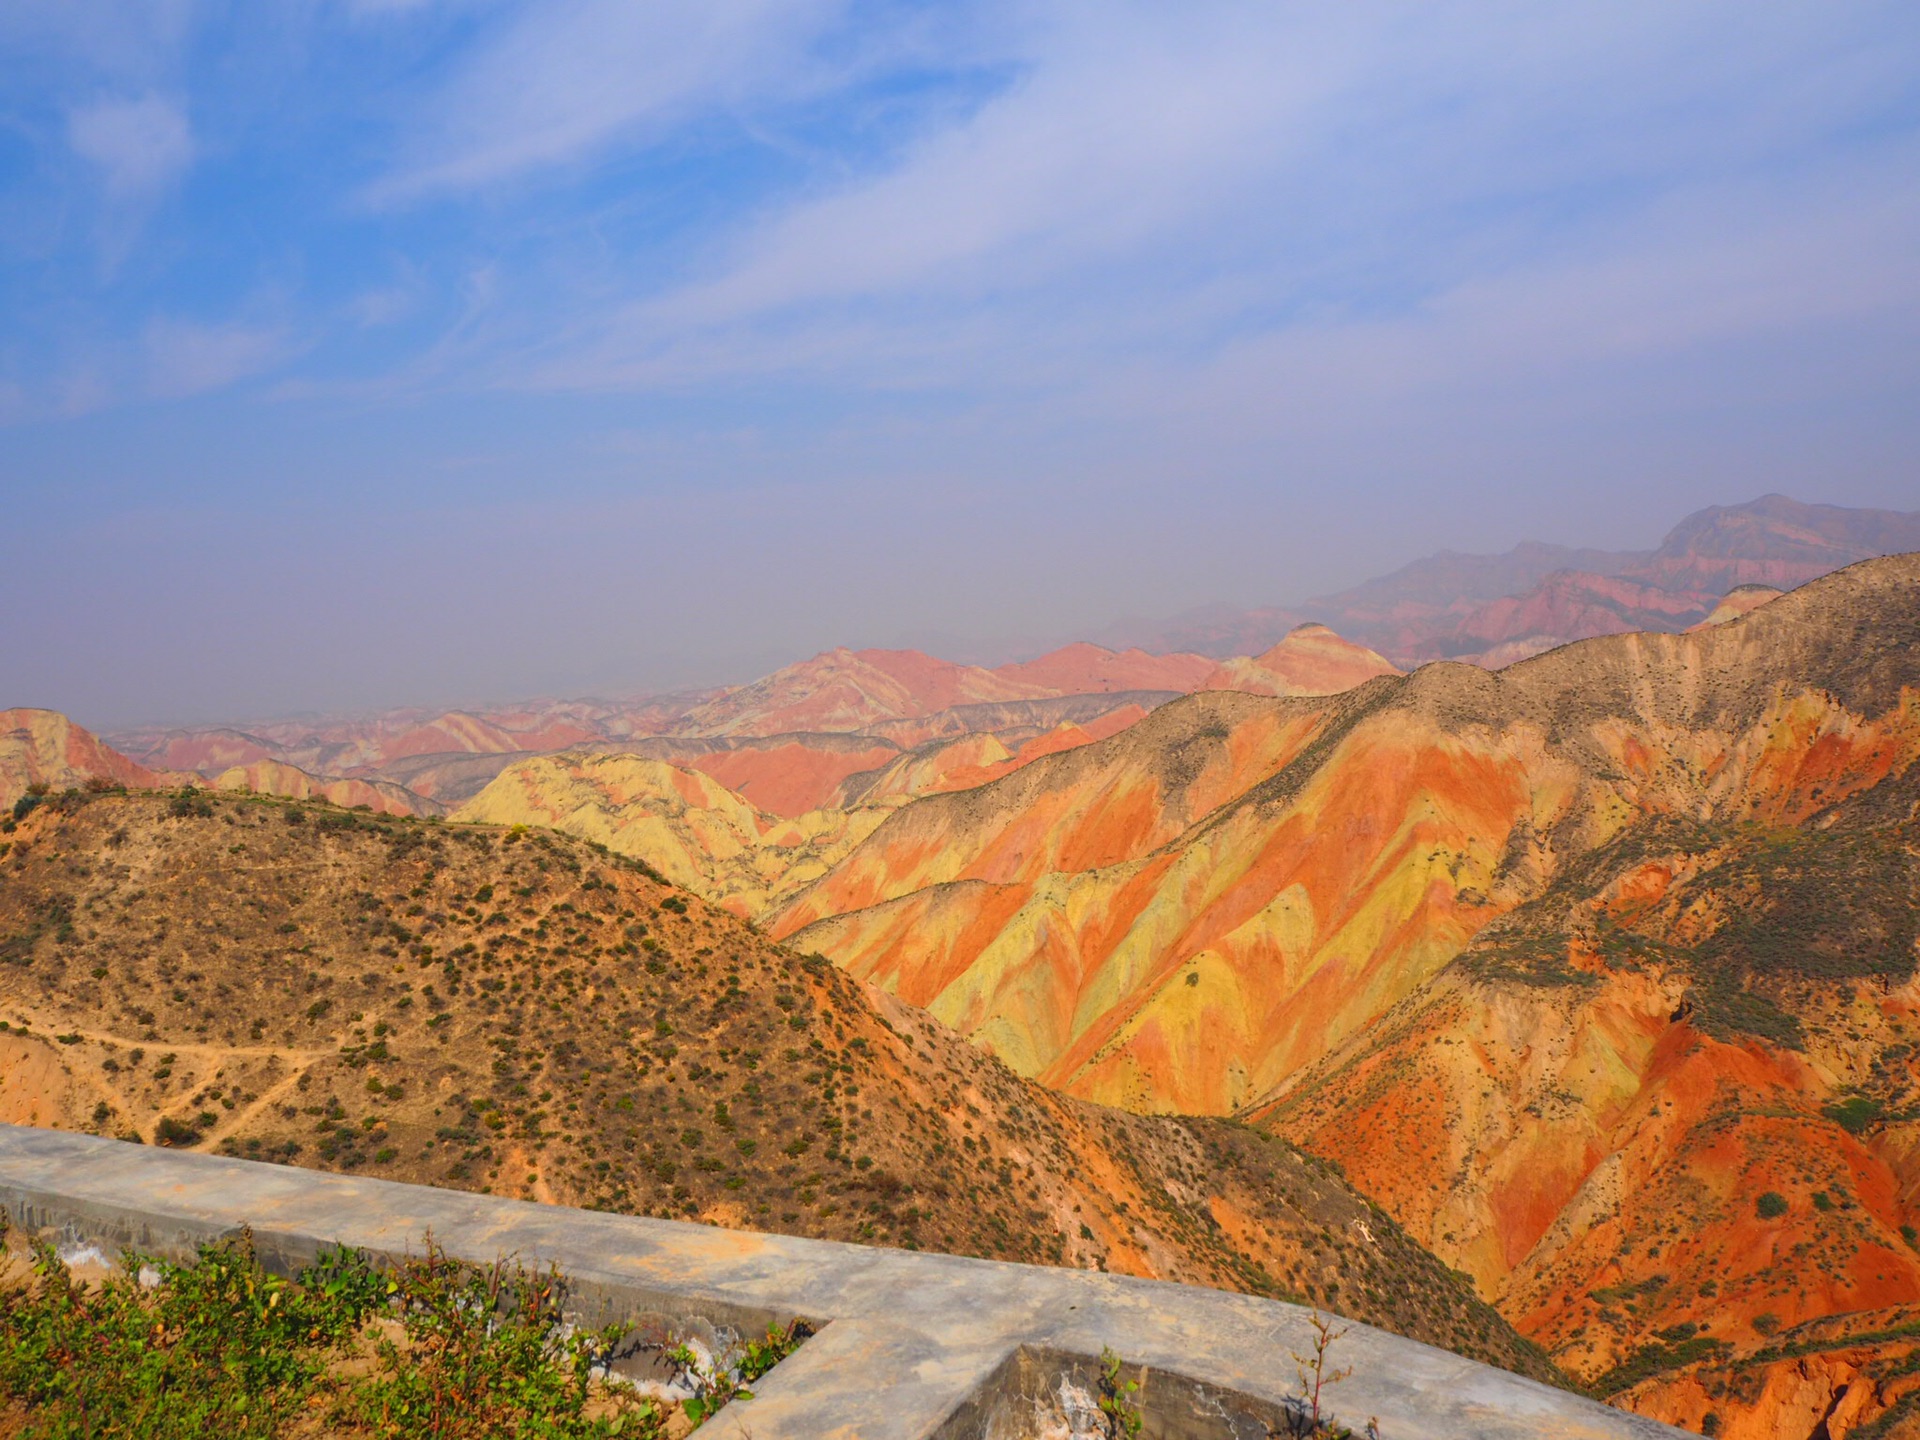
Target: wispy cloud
{"x": 140, "y": 146}
{"x": 1151, "y": 184}
{"x": 560, "y": 83}
{"x": 184, "y": 357}
{"x": 1095, "y": 304}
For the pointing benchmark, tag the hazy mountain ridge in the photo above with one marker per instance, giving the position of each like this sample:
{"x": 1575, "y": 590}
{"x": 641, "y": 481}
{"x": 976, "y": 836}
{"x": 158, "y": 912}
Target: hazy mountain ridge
{"x": 1498, "y": 608}
{"x": 1491, "y": 610}
{"x": 44, "y": 749}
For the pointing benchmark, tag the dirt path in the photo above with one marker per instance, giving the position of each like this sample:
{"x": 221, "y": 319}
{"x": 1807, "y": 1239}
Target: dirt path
{"x": 208, "y": 1056}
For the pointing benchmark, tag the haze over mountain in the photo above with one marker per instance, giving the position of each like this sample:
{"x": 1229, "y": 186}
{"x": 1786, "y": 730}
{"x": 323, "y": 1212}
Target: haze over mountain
{"x": 1499, "y": 608}
{"x": 359, "y": 359}
{"x": 847, "y": 728}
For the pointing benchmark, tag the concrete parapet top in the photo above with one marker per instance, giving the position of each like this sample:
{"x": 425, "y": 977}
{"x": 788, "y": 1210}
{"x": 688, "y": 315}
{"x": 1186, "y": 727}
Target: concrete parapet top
{"x": 910, "y": 1344}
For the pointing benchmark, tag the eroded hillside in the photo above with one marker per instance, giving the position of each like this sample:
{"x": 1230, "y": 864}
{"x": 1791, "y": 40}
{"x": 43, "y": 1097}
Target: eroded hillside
{"x": 1186, "y": 914}
{"x": 1668, "y": 1113}
{"x": 1570, "y": 965}
{"x": 531, "y": 1015}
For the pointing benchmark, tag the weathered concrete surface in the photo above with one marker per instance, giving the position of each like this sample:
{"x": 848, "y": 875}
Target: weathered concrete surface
{"x": 911, "y": 1345}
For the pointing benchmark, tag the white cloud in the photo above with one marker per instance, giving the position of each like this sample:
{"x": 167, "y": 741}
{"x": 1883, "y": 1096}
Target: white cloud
{"x": 563, "y": 80}
{"x": 125, "y": 42}
{"x": 185, "y": 358}
{"x": 1160, "y": 180}
{"x": 374, "y": 308}
{"x": 141, "y": 146}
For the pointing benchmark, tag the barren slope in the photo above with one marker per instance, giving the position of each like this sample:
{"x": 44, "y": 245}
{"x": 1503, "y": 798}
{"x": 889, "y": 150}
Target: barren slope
{"x": 850, "y": 690}
{"x": 1181, "y": 916}
{"x": 531, "y": 1015}
{"x": 1571, "y": 965}
{"x": 1309, "y": 660}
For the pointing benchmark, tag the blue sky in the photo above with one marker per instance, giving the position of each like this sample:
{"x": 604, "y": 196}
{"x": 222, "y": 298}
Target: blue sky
{"x": 365, "y": 352}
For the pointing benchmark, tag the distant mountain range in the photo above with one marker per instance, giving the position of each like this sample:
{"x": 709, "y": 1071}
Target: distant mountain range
{"x": 847, "y": 715}
{"x": 813, "y": 733}
{"x": 1495, "y": 609}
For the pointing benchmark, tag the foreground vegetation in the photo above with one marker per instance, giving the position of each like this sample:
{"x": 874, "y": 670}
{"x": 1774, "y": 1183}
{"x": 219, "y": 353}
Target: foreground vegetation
{"x": 436, "y": 1348}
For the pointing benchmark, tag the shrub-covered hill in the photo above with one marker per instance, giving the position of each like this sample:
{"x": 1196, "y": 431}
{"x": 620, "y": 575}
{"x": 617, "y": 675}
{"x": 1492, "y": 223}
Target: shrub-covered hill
{"x": 522, "y": 1013}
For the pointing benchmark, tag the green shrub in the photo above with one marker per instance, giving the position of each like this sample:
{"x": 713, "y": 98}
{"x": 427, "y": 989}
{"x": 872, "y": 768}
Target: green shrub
{"x": 1855, "y": 1113}
{"x": 175, "y": 1132}
{"x": 220, "y": 1348}
{"x": 1118, "y": 1407}
{"x": 486, "y": 1355}
{"x": 216, "y": 1348}
{"x": 1771, "y": 1206}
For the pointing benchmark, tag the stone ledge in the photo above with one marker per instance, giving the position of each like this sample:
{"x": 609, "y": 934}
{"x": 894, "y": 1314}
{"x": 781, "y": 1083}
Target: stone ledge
{"x": 910, "y": 1345}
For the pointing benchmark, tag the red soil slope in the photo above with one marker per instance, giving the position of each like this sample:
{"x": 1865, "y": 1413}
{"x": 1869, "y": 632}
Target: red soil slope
{"x": 789, "y": 778}
{"x": 1268, "y": 903}
{"x": 841, "y": 690}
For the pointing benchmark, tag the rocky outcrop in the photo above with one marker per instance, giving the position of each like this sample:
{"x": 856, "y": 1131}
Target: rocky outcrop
{"x": 274, "y": 777}
{"x": 1309, "y": 660}
{"x": 685, "y": 824}
{"x": 43, "y": 748}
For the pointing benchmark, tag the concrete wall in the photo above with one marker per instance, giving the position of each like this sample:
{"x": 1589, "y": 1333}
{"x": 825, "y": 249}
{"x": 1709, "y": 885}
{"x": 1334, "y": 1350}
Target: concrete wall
{"x": 909, "y": 1345}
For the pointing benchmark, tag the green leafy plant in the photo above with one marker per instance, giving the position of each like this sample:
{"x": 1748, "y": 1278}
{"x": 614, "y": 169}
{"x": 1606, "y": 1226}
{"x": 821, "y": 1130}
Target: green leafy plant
{"x": 486, "y": 1354}
{"x": 1123, "y": 1415}
{"x": 1771, "y": 1205}
{"x": 216, "y": 1347}
{"x": 718, "y": 1382}
{"x": 435, "y": 1348}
